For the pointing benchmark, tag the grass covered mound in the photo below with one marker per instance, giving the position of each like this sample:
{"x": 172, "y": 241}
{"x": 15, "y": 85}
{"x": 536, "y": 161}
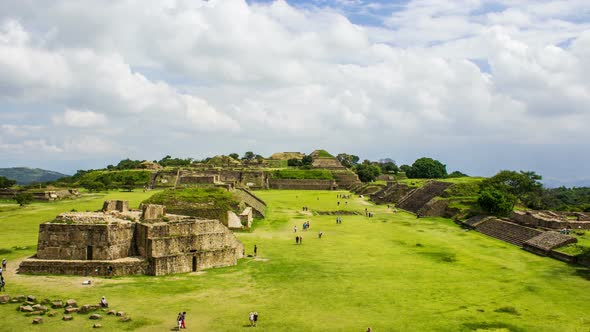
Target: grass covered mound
{"x": 198, "y": 202}
{"x": 302, "y": 174}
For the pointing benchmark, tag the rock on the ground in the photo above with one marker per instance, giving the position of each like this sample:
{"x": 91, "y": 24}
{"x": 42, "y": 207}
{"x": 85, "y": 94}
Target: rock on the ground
{"x": 31, "y": 298}
{"x": 71, "y": 303}
{"x": 71, "y": 310}
{"x": 52, "y": 313}
{"x": 88, "y": 307}
{"x": 20, "y": 298}
{"x": 35, "y": 313}
{"x": 67, "y": 317}
{"x": 125, "y": 319}
{"x": 120, "y": 313}
{"x": 4, "y": 299}
{"x": 38, "y": 320}
{"x": 40, "y": 307}
{"x": 96, "y": 326}
{"x": 111, "y": 312}
{"x": 95, "y": 316}
{"x": 57, "y": 304}
{"x": 26, "y": 308}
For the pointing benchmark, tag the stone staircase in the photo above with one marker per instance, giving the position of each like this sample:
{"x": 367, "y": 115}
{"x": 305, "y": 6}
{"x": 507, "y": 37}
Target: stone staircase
{"x": 507, "y": 231}
{"x": 417, "y": 198}
{"x": 393, "y": 193}
{"x": 346, "y": 179}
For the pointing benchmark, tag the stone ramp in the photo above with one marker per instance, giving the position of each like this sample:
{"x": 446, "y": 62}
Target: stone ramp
{"x": 393, "y": 193}
{"x": 507, "y": 231}
{"x": 417, "y": 198}
{"x": 251, "y": 200}
{"x": 474, "y": 221}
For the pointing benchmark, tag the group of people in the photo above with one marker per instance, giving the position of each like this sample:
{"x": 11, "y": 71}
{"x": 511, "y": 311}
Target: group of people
{"x": 344, "y": 196}
{"x": 338, "y": 220}
{"x": 299, "y": 239}
{"x": 180, "y": 320}
{"x": 565, "y": 230}
{"x": 368, "y": 214}
{"x": 305, "y": 208}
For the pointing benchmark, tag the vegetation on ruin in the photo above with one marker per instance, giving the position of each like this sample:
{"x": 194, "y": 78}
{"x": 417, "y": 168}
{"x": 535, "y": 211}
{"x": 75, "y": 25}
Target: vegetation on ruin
{"x": 323, "y": 154}
{"x": 299, "y": 174}
{"x": 6, "y": 183}
{"x": 209, "y": 197}
{"x": 427, "y": 168}
{"x": 392, "y": 272}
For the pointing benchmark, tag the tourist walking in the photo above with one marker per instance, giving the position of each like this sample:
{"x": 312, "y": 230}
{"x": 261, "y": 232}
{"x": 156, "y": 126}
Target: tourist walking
{"x": 297, "y": 240}
{"x": 2, "y": 284}
{"x": 320, "y": 234}
{"x": 251, "y": 318}
{"x": 255, "y": 318}
{"x": 295, "y": 229}
{"x": 4, "y": 263}
{"x": 183, "y": 320}
{"x": 179, "y": 321}
{"x": 301, "y": 240}
{"x": 255, "y": 250}
{"x": 104, "y": 303}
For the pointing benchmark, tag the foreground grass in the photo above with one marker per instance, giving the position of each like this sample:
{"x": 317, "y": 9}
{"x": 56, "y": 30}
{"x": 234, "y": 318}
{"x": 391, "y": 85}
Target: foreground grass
{"x": 392, "y": 272}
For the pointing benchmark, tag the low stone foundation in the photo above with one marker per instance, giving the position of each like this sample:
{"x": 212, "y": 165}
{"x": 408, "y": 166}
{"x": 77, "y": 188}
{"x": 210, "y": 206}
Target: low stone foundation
{"x": 302, "y": 184}
{"x": 121, "y": 267}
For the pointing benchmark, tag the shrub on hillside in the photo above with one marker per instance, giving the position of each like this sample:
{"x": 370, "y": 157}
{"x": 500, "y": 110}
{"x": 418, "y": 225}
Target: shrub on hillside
{"x": 23, "y": 199}
{"x": 496, "y": 202}
{"x": 6, "y": 183}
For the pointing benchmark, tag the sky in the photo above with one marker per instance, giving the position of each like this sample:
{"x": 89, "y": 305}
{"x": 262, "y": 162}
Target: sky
{"x": 481, "y": 85}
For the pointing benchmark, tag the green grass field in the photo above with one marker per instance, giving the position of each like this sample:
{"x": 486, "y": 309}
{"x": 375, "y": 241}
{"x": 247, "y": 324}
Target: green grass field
{"x": 392, "y": 272}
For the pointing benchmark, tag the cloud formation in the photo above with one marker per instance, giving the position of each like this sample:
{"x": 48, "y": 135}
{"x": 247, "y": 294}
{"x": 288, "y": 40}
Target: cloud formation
{"x": 195, "y": 78}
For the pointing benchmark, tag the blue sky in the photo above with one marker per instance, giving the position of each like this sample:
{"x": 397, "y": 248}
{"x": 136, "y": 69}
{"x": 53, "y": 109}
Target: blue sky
{"x": 482, "y": 85}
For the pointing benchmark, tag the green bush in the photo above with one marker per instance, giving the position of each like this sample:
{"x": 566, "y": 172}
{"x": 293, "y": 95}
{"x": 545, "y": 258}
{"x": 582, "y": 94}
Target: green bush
{"x": 300, "y": 174}
{"x": 496, "y": 202}
{"x": 23, "y": 199}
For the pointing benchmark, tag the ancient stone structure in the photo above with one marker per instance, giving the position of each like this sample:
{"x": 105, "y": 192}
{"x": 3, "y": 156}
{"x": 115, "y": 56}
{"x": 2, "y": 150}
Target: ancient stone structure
{"x": 120, "y": 242}
{"x": 544, "y": 243}
{"x": 552, "y": 219}
{"x": 302, "y": 184}
{"x": 417, "y": 198}
{"x": 47, "y": 195}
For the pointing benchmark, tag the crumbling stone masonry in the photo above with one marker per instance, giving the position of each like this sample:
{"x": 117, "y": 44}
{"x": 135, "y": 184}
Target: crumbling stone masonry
{"x": 131, "y": 242}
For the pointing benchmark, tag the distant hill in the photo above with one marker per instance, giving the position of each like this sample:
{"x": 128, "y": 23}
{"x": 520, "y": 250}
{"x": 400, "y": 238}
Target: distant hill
{"x": 25, "y": 175}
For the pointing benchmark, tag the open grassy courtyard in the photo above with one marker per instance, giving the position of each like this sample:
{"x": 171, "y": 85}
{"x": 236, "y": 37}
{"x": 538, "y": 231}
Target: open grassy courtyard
{"x": 392, "y": 272}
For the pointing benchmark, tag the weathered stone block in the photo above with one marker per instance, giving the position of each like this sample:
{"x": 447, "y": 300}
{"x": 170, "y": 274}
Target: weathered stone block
{"x": 96, "y": 326}
{"x": 57, "y": 304}
{"x": 26, "y": 308}
{"x": 31, "y": 298}
{"x": 4, "y": 299}
{"x": 38, "y": 320}
{"x": 120, "y": 313}
{"x": 111, "y": 312}
{"x": 71, "y": 310}
{"x": 71, "y": 303}
{"x": 95, "y": 316}
{"x": 125, "y": 319}
{"x": 67, "y": 317}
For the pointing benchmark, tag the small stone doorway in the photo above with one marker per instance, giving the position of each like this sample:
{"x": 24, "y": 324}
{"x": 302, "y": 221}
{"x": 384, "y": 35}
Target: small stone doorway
{"x": 194, "y": 263}
{"x": 89, "y": 253}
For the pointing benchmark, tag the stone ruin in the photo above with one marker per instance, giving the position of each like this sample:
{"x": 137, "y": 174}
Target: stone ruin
{"x": 552, "y": 219}
{"x": 119, "y": 241}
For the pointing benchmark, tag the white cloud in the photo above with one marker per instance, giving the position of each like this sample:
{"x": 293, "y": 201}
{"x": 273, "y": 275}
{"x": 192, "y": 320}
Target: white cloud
{"x": 81, "y": 119}
{"x": 228, "y": 74}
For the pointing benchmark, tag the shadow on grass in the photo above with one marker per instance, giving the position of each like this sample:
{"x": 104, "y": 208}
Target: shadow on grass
{"x": 491, "y": 326}
{"x": 583, "y": 272}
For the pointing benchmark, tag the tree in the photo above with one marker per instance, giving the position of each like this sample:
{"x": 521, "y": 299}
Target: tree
{"x": 525, "y": 185}
{"x": 234, "y": 156}
{"x": 307, "y": 160}
{"x": 388, "y": 166}
{"x": 6, "y": 182}
{"x": 457, "y": 174}
{"x": 367, "y": 172}
{"x": 128, "y": 183}
{"x": 348, "y": 160}
{"x": 23, "y": 198}
{"x": 129, "y": 164}
{"x": 496, "y": 202}
{"x": 405, "y": 168}
{"x": 249, "y": 155}
{"x": 294, "y": 162}
{"x": 259, "y": 158}
{"x": 427, "y": 168}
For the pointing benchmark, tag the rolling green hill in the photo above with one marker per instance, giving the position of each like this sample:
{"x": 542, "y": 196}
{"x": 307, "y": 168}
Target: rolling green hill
{"x": 26, "y": 175}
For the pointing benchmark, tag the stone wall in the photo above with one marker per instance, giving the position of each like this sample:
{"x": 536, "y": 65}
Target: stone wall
{"x": 198, "y": 179}
{"x": 48, "y": 195}
{"x": 127, "y": 266}
{"x": 545, "y": 219}
{"x": 327, "y": 163}
{"x": 251, "y": 200}
{"x": 73, "y": 242}
{"x": 346, "y": 179}
{"x": 301, "y": 184}
{"x": 548, "y": 241}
